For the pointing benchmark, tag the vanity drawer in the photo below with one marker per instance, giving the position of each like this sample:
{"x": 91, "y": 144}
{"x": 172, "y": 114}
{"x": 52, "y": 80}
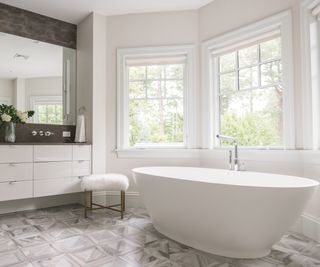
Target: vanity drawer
{"x": 59, "y": 186}
{"x": 16, "y": 190}
{"x": 81, "y": 168}
{"x": 50, "y": 170}
{"x": 53, "y": 153}
{"x": 14, "y": 153}
{"x": 16, "y": 172}
{"x": 81, "y": 152}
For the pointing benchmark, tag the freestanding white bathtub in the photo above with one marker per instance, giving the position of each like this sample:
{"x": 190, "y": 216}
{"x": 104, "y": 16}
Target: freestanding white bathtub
{"x": 232, "y": 214}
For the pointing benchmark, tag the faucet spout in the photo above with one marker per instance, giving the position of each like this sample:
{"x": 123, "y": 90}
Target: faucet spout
{"x": 228, "y": 138}
{"x": 236, "y": 166}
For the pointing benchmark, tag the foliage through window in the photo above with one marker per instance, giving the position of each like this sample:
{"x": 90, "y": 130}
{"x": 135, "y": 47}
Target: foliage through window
{"x": 251, "y": 94}
{"x": 48, "y": 110}
{"x": 156, "y": 104}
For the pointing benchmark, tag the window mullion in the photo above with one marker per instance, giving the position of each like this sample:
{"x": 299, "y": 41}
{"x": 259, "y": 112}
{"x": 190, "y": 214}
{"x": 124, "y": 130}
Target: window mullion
{"x": 237, "y": 72}
{"x": 259, "y": 66}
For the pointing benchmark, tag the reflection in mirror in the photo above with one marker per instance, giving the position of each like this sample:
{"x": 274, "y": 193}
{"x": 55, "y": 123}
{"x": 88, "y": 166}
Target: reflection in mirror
{"x": 38, "y": 76}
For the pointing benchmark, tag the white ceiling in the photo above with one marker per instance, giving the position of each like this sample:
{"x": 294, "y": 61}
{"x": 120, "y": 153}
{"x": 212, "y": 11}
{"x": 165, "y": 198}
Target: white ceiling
{"x": 75, "y": 10}
{"x": 45, "y": 60}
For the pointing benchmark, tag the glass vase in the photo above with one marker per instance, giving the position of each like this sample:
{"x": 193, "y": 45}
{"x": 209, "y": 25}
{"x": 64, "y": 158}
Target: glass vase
{"x": 9, "y": 132}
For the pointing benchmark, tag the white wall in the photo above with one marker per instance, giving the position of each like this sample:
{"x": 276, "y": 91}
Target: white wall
{"x": 99, "y": 94}
{"x": 85, "y": 70}
{"x": 44, "y": 86}
{"x": 91, "y": 84}
{"x": 155, "y": 29}
{"x": 6, "y": 89}
{"x": 19, "y": 93}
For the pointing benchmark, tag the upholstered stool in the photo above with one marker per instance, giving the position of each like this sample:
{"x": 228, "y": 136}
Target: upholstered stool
{"x": 104, "y": 182}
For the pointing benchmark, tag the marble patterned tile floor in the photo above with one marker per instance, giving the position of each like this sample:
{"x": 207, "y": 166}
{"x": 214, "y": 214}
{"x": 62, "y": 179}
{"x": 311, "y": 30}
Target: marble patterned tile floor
{"x": 61, "y": 237}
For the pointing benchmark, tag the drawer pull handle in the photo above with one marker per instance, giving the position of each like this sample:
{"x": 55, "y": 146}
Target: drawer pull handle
{"x": 12, "y": 182}
{"x": 80, "y": 177}
{"x": 12, "y": 164}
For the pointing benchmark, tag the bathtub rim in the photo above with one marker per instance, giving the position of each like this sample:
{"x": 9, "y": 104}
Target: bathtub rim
{"x": 309, "y": 182}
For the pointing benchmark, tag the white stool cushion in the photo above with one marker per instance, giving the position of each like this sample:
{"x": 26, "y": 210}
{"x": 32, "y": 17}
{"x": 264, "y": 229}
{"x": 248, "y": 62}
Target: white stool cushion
{"x": 105, "y": 182}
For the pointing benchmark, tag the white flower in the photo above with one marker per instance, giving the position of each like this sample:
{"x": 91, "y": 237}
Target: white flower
{"x": 23, "y": 116}
{"x": 5, "y": 117}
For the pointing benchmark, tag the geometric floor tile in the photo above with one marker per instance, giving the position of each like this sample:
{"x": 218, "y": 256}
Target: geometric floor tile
{"x": 57, "y": 261}
{"x": 91, "y": 255}
{"x": 40, "y": 251}
{"x": 74, "y": 243}
{"x": 60, "y": 236}
{"x": 102, "y": 236}
{"x": 32, "y": 240}
{"x": 11, "y": 258}
{"x": 23, "y": 231}
{"x": 119, "y": 246}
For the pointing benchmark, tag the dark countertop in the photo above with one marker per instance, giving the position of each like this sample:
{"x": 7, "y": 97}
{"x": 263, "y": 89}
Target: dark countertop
{"x": 40, "y": 143}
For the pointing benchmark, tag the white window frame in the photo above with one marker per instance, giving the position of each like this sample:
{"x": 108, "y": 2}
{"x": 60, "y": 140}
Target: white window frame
{"x": 46, "y": 99}
{"x": 311, "y": 95}
{"x": 123, "y": 93}
{"x": 254, "y": 31}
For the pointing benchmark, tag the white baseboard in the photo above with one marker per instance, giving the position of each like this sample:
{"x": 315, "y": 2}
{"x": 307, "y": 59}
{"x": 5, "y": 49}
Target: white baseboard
{"x": 38, "y": 203}
{"x": 308, "y": 226}
{"x": 132, "y": 200}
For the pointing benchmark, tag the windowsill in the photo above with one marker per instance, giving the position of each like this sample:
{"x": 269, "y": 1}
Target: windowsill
{"x": 245, "y": 154}
{"x": 158, "y": 153}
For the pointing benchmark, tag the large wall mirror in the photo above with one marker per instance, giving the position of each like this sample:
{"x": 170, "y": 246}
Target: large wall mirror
{"x": 38, "y": 76}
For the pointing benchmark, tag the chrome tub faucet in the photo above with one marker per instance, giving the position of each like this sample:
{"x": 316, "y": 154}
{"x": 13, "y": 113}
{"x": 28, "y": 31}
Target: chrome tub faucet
{"x": 235, "y": 166}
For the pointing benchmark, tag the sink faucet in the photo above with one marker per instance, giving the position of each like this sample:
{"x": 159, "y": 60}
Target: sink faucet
{"x": 236, "y": 165}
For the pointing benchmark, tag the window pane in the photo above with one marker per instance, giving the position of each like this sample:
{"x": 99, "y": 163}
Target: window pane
{"x": 270, "y": 50}
{"x": 228, "y": 83}
{"x": 154, "y": 89}
{"x": 49, "y": 113}
{"x": 174, "y": 71}
{"x": 254, "y": 117}
{"x": 156, "y": 121}
{"x": 42, "y": 118}
{"x": 155, "y": 72}
{"x": 248, "y": 56}
{"x": 137, "y": 89}
{"x": 174, "y": 88}
{"x": 227, "y": 62}
{"x": 42, "y": 108}
{"x": 248, "y": 78}
{"x": 156, "y": 106}
{"x": 271, "y": 73}
{"x": 137, "y": 73}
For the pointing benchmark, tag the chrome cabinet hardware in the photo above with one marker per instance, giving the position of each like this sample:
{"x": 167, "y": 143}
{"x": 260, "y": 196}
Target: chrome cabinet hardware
{"x": 48, "y": 133}
{"x": 45, "y": 133}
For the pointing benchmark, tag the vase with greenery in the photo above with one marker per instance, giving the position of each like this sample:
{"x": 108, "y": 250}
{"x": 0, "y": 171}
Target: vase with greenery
{"x": 9, "y": 117}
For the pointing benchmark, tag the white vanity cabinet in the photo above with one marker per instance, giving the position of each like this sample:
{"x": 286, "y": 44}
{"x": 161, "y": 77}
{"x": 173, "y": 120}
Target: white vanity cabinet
{"x": 42, "y": 170}
{"x": 16, "y": 172}
{"x": 58, "y": 169}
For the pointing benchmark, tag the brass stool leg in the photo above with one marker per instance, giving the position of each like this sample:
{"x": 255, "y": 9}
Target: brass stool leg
{"x": 123, "y": 203}
{"x": 88, "y": 202}
{"x": 90, "y": 199}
